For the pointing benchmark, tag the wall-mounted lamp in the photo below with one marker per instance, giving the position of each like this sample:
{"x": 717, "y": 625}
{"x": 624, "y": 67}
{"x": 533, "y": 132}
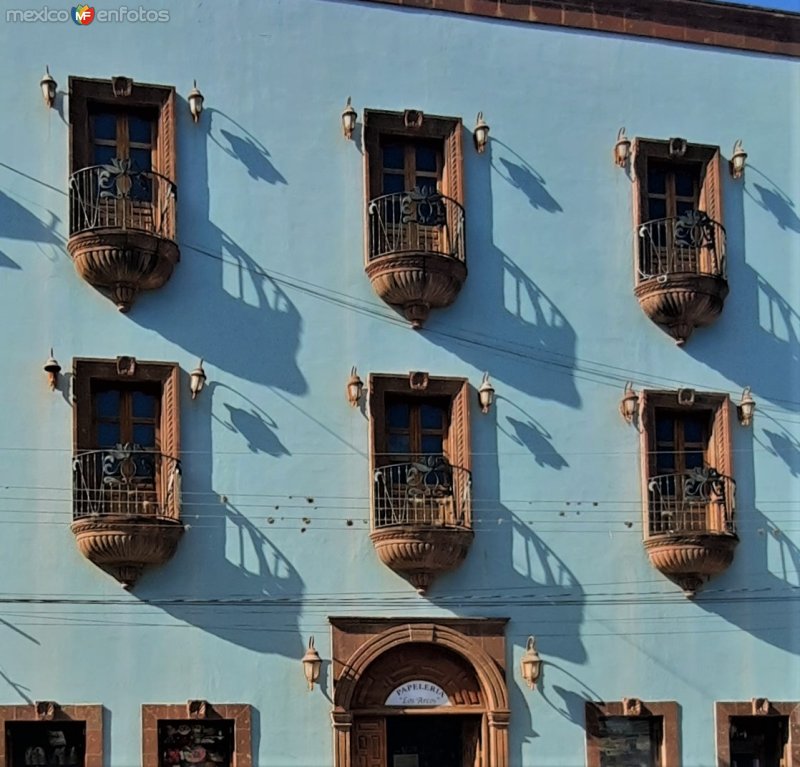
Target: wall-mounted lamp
{"x": 486, "y": 394}
{"x": 629, "y": 403}
{"x": 622, "y": 149}
{"x": 197, "y": 379}
{"x": 48, "y": 86}
{"x": 349, "y": 117}
{"x": 311, "y": 664}
{"x": 52, "y": 368}
{"x": 746, "y": 408}
{"x": 480, "y": 133}
{"x": 531, "y": 664}
{"x": 355, "y": 387}
{"x": 738, "y": 159}
{"x": 195, "y": 99}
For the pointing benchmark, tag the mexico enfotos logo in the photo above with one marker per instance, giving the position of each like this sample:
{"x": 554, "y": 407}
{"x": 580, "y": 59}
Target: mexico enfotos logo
{"x": 84, "y": 15}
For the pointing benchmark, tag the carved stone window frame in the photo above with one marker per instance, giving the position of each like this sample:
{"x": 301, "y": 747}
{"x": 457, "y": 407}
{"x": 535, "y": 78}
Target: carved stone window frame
{"x": 646, "y": 151}
{"x": 667, "y": 711}
{"x": 724, "y": 710}
{"x": 90, "y": 714}
{"x": 420, "y": 385}
{"x": 88, "y": 372}
{"x": 85, "y": 93}
{"x": 720, "y": 447}
{"x": 192, "y": 711}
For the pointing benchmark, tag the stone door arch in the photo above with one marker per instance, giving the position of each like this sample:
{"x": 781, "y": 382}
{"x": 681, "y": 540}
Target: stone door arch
{"x": 465, "y": 657}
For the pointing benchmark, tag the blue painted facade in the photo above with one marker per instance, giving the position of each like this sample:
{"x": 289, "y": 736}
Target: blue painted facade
{"x": 271, "y": 293}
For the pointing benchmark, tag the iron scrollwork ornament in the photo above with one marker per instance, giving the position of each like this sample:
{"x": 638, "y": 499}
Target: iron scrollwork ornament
{"x": 128, "y": 465}
{"x": 694, "y": 229}
{"x": 422, "y": 206}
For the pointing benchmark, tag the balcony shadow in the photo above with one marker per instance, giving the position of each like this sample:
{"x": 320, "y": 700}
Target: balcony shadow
{"x": 220, "y": 304}
{"x": 19, "y": 223}
{"x": 526, "y": 179}
{"x": 19, "y": 689}
{"x": 253, "y": 155}
{"x": 529, "y": 344}
{"x": 785, "y": 446}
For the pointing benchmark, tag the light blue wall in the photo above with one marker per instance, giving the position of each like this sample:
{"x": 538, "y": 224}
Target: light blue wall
{"x": 270, "y": 291}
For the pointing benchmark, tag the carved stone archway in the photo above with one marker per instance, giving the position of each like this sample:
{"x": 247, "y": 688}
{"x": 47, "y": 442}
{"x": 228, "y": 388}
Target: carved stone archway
{"x": 478, "y": 646}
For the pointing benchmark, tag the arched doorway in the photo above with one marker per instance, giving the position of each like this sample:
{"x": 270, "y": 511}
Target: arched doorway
{"x": 419, "y": 694}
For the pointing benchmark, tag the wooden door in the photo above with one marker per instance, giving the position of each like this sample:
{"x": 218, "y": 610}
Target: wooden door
{"x": 369, "y": 742}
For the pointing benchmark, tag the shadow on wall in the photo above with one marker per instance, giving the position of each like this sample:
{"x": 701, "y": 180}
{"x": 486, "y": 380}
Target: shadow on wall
{"x": 532, "y": 435}
{"x": 756, "y": 341}
{"x": 19, "y": 223}
{"x": 774, "y": 200}
{"x": 227, "y": 577}
{"x": 231, "y": 312}
{"x": 503, "y": 321}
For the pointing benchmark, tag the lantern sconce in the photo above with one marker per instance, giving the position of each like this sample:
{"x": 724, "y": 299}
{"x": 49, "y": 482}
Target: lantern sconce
{"x": 52, "y": 368}
{"x": 746, "y": 408}
{"x": 486, "y": 394}
{"x": 349, "y": 117}
{"x": 531, "y": 664}
{"x": 48, "y": 86}
{"x": 311, "y": 664}
{"x": 480, "y": 134}
{"x": 738, "y": 159}
{"x": 195, "y": 99}
{"x": 355, "y": 387}
{"x": 622, "y": 149}
{"x": 197, "y": 379}
{"x": 629, "y": 403}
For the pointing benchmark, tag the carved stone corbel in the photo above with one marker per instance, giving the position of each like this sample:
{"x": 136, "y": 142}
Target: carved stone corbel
{"x": 632, "y": 707}
{"x": 761, "y": 706}
{"x": 46, "y": 710}
{"x": 418, "y": 380}
{"x": 126, "y": 366}
{"x": 121, "y": 86}
{"x": 198, "y": 709}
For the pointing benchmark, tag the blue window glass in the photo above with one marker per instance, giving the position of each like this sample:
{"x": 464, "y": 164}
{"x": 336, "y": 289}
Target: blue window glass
{"x": 656, "y": 181}
{"x": 394, "y": 156}
{"x": 393, "y": 183}
{"x": 144, "y": 405}
{"x": 425, "y": 184}
{"x": 399, "y": 444}
{"x": 683, "y": 206}
{"x": 426, "y": 158}
{"x": 104, "y": 126}
{"x": 140, "y": 131}
{"x": 141, "y": 160}
{"x": 657, "y": 208}
{"x": 432, "y": 444}
{"x": 108, "y": 434}
{"x": 431, "y": 417}
{"x": 693, "y": 430}
{"x": 398, "y": 415}
{"x": 144, "y": 434}
{"x": 684, "y": 183}
{"x": 102, "y": 155}
{"x": 107, "y": 404}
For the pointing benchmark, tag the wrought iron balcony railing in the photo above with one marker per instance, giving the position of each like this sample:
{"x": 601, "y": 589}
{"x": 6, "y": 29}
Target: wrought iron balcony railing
{"x": 697, "y": 501}
{"x": 427, "y": 491}
{"x": 115, "y": 196}
{"x": 687, "y": 244}
{"x": 126, "y": 480}
{"x": 416, "y": 222}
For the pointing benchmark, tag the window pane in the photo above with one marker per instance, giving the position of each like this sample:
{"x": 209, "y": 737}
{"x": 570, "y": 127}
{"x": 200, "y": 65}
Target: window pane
{"x": 394, "y": 156}
{"x": 144, "y": 435}
{"x": 665, "y": 462}
{"x": 106, "y": 404}
{"x": 432, "y": 417}
{"x": 684, "y": 183}
{"x": 141, "y": 159}
{"x": 103, "y": 155}
{"x": 657, "y": 208}
{"x": 399, "y": 444}
{"x": 426, "y": 158}
{"x": 104, "y": 126}
{"x": 140, "y": 130}
{"x": 144, "y": 405}
{"x": 656, "y": 181}
{"x": 393, "y": 183}
{"x": 398, "y": 415}
{"x": 694, "y": 430}
{"x": 694, "y": 460}
{"x": 683, "y": 206}
{"x": 107, "y": 434}
{"x": 665, "y": 428}
{"x": 432, "y": 444}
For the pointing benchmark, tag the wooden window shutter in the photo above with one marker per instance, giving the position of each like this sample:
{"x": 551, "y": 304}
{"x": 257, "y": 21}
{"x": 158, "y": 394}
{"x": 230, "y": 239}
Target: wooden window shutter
{"x": 453, "y": 163}
{"x": 372, "y": 161}
{"x": 639, "y": 203}
{"x": 377, "y": 414}
{"x": 167, "y": 160}
{"x": 723, "y": 454}
{"x": 460, "y": 453}
{"x": 369, "y": 742}
{"x": 711, "y": 190}
{"x": 170, "y": 414}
